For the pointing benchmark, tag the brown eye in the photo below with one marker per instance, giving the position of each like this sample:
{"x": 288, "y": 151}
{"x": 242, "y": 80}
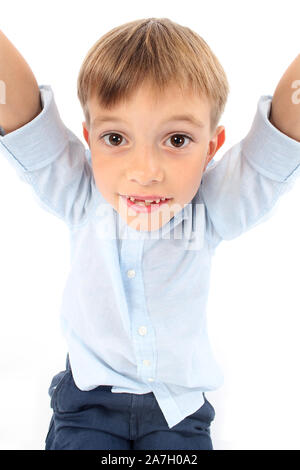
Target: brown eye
{"x": 178, "y": 139}
{"x": 113, "y": 139}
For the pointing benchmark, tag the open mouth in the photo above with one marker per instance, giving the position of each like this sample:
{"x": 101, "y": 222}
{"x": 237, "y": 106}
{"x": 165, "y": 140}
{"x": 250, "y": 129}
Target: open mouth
{"x": 144, "y": 206}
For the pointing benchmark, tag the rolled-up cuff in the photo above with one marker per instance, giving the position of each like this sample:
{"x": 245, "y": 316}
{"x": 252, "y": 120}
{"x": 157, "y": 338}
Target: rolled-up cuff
{"x": 38, "y": 142}
{"x": 267, "y": 149}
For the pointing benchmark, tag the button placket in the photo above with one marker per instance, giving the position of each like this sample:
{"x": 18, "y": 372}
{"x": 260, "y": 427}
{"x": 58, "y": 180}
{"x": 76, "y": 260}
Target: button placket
{"x": 142, "y": 330}
{"x": 131, "y": 273}
{"x": 143, "y": 351}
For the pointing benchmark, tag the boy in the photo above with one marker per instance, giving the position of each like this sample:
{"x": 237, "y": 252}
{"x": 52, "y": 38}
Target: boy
{"x": 146, "y": 208}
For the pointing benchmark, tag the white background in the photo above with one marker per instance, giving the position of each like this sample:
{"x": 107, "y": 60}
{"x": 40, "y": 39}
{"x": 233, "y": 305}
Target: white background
{"x": 253, "y": 309}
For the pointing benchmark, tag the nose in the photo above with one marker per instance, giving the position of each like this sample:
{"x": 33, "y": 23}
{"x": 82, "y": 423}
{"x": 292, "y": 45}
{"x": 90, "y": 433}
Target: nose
{"x": 145, "y": 167}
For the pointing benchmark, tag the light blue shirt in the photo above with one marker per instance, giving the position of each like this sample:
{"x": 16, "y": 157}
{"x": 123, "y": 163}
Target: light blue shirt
{"x": 133, "y": 310}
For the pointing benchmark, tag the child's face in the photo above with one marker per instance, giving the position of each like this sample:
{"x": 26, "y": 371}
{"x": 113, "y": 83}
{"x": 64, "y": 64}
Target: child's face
{"x": 147, "y": 154}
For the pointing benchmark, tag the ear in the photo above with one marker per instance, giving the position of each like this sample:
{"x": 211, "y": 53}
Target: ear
{"x": 85, "y": 133}
{"x": 215, "y": 144}
{"x": 221, "y": 138}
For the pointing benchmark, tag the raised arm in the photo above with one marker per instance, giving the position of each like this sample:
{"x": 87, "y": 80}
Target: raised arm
{"x": 19, "y": 91}
{"x": 243, "y": 187}
{"x": 43, "y": 151}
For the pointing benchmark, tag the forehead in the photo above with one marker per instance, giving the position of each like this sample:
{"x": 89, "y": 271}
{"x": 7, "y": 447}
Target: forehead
{"x": 171, "y": 104}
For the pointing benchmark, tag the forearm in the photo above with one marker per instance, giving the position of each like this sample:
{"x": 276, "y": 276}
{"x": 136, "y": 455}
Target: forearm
{"x": 19, "y": 91}
{"x": 285, "y": 108}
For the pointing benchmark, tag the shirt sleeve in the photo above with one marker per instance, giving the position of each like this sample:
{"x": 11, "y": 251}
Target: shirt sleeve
{"x": 242, "y": 189}
{"x": 50, "y": 158}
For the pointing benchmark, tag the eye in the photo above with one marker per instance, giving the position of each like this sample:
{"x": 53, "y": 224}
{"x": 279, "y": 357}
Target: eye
{"x": 178, "y": 138}
{"x": 114, "y": 139}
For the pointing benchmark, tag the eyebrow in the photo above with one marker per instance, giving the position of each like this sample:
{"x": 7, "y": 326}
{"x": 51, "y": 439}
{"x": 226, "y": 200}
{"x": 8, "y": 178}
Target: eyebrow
{"x": 177, "y": 117}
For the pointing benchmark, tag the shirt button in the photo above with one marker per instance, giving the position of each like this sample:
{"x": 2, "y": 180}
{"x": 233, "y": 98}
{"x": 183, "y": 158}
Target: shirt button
{"x": 146, "y": 362}
{"x": 142, "y": 330}
{"x": 131, "y": 273}
{"x": 150, "y": 379}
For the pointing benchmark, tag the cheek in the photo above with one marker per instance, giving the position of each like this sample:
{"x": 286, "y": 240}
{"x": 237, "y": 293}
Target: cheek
{"x": 105, "y": 164}
{"x": 105, "y": 175}
{"x": 190, "y": 178}
{"x": 101, "y": 166}
{"x": 192, "y": 170}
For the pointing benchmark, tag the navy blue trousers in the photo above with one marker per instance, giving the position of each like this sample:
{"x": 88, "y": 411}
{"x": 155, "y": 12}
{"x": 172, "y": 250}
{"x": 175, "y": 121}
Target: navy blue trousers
{"x": 99, "y": 419}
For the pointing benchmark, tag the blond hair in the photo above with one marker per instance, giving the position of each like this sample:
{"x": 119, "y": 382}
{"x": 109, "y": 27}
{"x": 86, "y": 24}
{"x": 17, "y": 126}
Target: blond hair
{"x": 155, "y": 49}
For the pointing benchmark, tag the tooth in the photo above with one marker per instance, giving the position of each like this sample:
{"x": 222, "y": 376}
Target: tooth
{"x": 132, "y": 199}
{"x": 157, "y": 200}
